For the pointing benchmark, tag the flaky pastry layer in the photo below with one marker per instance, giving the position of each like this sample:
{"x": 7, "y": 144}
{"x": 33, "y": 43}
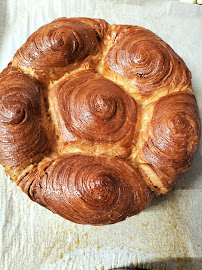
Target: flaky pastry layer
{"x": 95, "y": 119}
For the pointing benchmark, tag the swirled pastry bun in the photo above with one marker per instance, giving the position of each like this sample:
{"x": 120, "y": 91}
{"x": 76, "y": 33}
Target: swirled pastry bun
{"x": 93, "y": 114}
{"x": 96, "y": 119}
{"x": 61, "y": 46}
{"x": 23, "y": 138}
{"x": 87, "y": 189}
{"x": 172, "y": 140}
{"x": 142, "y": 57}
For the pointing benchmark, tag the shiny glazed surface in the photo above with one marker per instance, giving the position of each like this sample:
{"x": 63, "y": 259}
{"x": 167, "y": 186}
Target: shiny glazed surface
{"x": 58, "y": 44}
{"x": 173, "y": 135}
{"x": 23, "y": 137}
{"x": 87, "y": 189}
{"x": 94, "y": 108}
{"x": 95, "y": 119}
{"x": 140, "y": 55}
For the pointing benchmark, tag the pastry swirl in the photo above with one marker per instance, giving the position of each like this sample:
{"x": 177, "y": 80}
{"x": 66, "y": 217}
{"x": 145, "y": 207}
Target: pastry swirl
{"x": 173, "y": 136}
{"x": 94, "y": 108}
{"x": 60, "y": 43}
{"x": 151, "y": 64}
{"x": 88, "y": 189}
{"x": 22, "y": 137}
{"x": 110, "y": 121}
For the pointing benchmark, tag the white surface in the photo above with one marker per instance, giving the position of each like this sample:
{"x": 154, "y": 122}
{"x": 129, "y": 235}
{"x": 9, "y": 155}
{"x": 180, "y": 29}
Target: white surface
{"x": 167, "y": 235}
{"x": 189, "y": 1}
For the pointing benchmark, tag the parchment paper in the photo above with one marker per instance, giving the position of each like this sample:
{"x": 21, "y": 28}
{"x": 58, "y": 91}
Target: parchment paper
{"x": 168, "y": 235}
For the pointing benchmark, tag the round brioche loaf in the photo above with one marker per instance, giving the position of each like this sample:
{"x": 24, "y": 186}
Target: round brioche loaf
{"x": 96, "y": 119}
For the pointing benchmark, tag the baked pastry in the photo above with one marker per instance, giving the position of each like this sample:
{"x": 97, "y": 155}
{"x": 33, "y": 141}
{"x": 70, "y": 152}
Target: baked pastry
{"x": 95, "y": 119}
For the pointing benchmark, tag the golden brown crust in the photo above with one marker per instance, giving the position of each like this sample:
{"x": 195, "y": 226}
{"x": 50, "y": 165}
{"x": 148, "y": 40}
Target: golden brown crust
{"x": 151, "y": 64}
{"x": 81, "y": 94}
{"x": 88, "y": 190}
{"x": 93, "y": 110}
{"x": 173, "y": 137}
{"x": 59, "y": 44}
{"x": 99, "y": 25}
{"x": 23, "y": 139}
